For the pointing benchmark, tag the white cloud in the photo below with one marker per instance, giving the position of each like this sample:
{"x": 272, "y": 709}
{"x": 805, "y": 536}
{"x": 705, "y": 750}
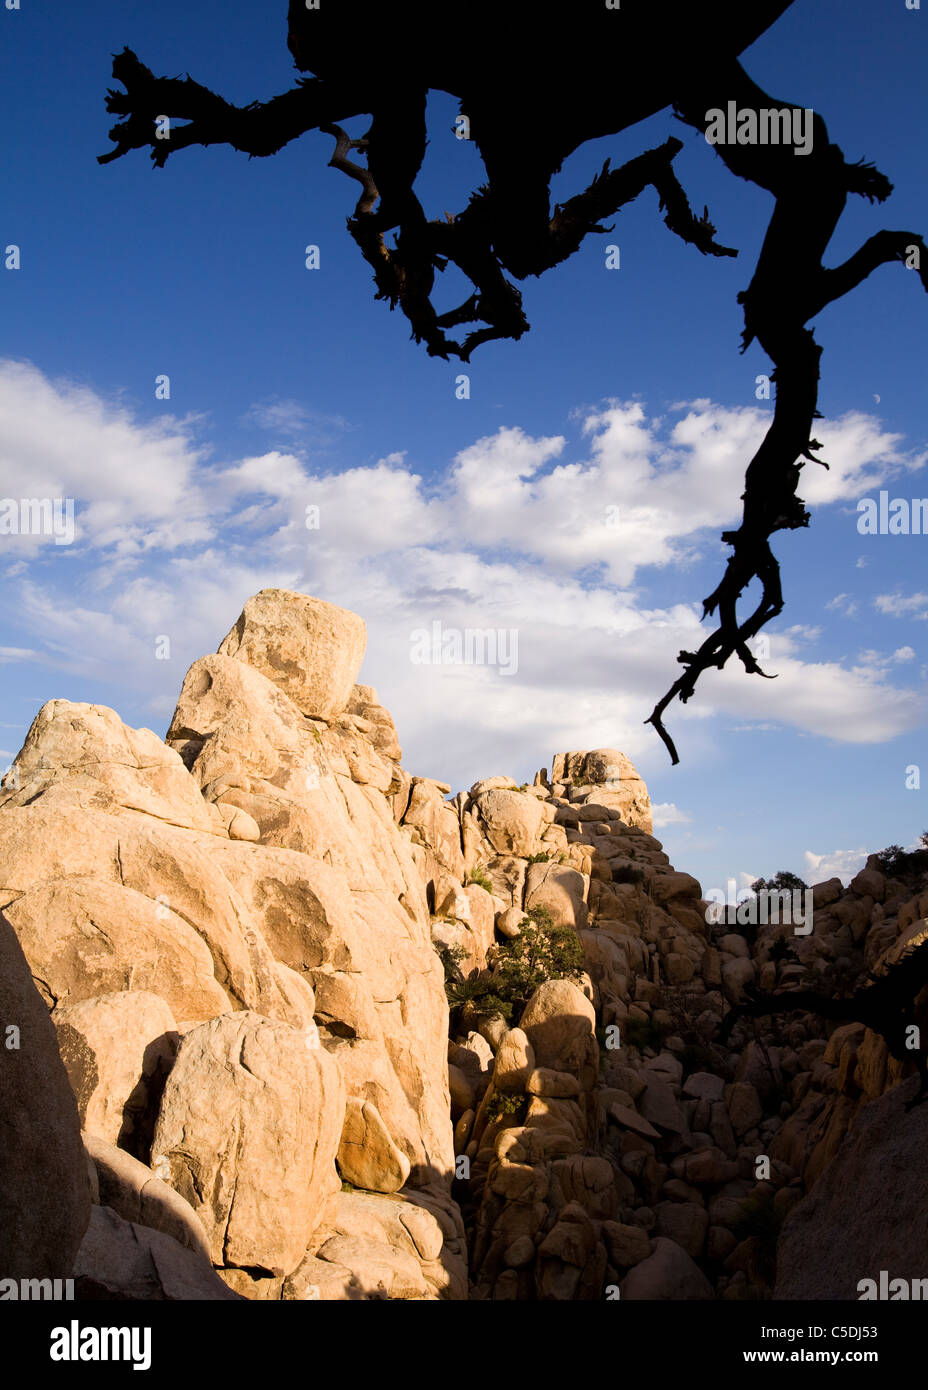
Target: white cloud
{"x": 135, "y": 482}
{"x": 288, "y": 419}
{"x": 514, "y": 534}
{"x": 843, "y": 603}
{"x": 903, "y": 605}
{"x": 839, "y": 863}
{"x": 666, "y": 813}
{"x": 860, "y": 455}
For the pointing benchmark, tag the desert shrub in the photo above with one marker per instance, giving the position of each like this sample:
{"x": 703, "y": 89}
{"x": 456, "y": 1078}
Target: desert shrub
{"x": 541, "y": 858}
{"x": 460, "y": 989}
{"x": 503, "y": 1103}
{"x": 480, "y": 878}
{"x": 451, "y": 958}
{"x": 541, "y": 952}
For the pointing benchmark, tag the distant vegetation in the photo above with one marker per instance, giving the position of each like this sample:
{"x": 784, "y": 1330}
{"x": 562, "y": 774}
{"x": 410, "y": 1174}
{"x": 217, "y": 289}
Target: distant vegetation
{"x": 782, "y": 882}
{"x": 896, "y": 862}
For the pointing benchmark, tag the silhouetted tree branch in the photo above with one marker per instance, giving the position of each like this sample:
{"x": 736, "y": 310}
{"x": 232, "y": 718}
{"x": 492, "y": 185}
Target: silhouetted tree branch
{"x": 612, "y": 68}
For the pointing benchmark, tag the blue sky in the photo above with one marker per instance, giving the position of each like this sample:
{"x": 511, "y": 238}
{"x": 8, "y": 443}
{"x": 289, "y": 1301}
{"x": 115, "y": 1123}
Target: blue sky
{"x": 293, "y": 388}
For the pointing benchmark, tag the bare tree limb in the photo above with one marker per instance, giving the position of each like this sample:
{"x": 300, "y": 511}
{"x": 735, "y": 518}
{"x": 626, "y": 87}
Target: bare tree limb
{"x": 508, "y": 227}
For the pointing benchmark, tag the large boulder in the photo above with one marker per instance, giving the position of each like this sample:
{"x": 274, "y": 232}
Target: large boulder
{"x": 511, "y": 820}
{"x": 560, "y": 891}
{"x": 116, "y": 900}
{"x": 367, "y": 1156}
{"x": 121, "y": 1260}
{"x": 85, "y": 937}
{"x": 432, "y": 823}
{"x": 667, "y": 1274}
{"x": 560, "y": 1023}
{"x": 515, "y": 1061}
{"x": 117, "y": 1049}
{"x": 248, "y": 1131}
{"x": 93, "y": 758}
{"x": 134, "y": 1192}
{"x": 866, "y": 1213}
{"x": 389, "y": 1247}
{"x": 610, "y": 780}
{"x": 310, "y": 649}
{"x": 44, "y": 1189}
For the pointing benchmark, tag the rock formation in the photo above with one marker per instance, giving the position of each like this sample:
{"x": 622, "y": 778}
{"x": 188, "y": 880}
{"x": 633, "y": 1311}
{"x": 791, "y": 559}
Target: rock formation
{"x": 239, "y": 938}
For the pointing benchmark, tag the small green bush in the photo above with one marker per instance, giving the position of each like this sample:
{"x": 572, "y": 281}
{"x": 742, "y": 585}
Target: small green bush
{"x": 539, "y": 858}
{"x": 480, "y": 878}
{"x": 503, "y": 1103}
{"x": 541, "y": 952}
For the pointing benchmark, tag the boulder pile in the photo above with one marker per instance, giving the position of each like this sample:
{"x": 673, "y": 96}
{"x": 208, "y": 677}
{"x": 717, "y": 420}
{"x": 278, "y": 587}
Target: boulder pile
{"x": 231, "y": 953}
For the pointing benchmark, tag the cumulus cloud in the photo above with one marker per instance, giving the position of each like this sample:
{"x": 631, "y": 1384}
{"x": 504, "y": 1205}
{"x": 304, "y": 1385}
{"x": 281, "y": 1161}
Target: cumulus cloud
{"x": 548, "y": 538}
{"x": 839, "y": 863}
{"x": 666, "y": 813}
{"x": 136, "y": 481}
{"x": 860, "y": 455}
{"x": 902, "y": 605}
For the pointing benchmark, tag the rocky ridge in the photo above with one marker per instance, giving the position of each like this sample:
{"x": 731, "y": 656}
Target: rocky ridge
{"x": 239, "y": 936}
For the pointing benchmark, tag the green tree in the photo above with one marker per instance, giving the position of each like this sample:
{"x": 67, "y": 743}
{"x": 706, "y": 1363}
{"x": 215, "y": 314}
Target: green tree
{"x": 781, "y": 882}
{"x": 542, "y": 951}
